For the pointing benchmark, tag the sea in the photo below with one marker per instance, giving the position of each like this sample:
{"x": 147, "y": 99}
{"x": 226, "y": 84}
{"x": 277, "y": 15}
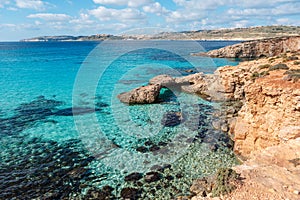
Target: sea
{"x": 64, "y": 134}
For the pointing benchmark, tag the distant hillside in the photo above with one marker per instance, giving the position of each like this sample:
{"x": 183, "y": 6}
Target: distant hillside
{"x": 221, "y": 34}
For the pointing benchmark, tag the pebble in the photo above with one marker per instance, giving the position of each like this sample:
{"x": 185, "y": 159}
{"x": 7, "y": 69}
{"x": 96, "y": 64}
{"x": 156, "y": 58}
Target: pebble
{"x": 297, "y": 192}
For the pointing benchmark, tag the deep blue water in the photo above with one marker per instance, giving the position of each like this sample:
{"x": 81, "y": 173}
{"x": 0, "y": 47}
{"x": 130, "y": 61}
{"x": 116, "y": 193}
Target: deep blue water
{"x": 65, "y": 135}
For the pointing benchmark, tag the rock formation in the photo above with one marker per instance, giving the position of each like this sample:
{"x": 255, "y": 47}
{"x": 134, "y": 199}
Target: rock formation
{"x": 270, "y": 114}
{"x": 141, "y": 95}
{"x": 257, "y": 48}
{"x": 266, "y": 130}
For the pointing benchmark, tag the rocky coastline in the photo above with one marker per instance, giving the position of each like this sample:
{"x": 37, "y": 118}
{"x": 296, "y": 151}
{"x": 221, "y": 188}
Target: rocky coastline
{"x": 261, "y": 100}
{"x": 235, "y": 34}
{"x": 257, "y": 48}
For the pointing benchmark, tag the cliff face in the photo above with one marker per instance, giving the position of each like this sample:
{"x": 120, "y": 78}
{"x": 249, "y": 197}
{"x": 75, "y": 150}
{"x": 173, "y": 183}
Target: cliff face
{"x": 270, "y": 114}
{"x": 270, "y": 92}
{"x": 266, "y": 130}
{"x": 258, "y": 48}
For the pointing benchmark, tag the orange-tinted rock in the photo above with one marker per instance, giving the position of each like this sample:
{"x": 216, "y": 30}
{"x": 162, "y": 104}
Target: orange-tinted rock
{"x": 270, "y": 114}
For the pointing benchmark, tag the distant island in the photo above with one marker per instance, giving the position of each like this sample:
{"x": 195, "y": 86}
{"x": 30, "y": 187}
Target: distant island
{"x": 250, "y": 33}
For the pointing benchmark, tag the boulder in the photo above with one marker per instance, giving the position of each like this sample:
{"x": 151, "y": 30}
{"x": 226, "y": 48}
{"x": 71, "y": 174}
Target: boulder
{"x": 152, "y": 177}
{"x": 141, "y": 95}
{"x": 172, "y": 118}
{"x": 163, "y": 80}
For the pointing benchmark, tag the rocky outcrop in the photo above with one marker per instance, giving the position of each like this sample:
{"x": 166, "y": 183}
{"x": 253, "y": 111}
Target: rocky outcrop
{"x": 272, "y": 173}
{"x": 163, "y": 80}
{"x": 270, "y": 115}
{"x": 141, "y": 95}
{"x": 257, "y": 48}
{"x": 266, "y": 129}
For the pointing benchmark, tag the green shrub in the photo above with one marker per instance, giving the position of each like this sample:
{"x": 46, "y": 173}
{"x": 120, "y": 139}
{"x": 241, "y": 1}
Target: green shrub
{"x": 225, "y": 182}
{"x": 297, "y": 63}
{"x": 292, "y": 71}
{"x": 264, "y": 73}
{"x": 292, "y": 75}
{"x": 272, "y": 59}
{"x": 264, "y": 66}
{"x": 284, "y": 55}
{"x": 279, "y": 66}
{"x": 293, "y": 58}
{"x": 256, "y": 75}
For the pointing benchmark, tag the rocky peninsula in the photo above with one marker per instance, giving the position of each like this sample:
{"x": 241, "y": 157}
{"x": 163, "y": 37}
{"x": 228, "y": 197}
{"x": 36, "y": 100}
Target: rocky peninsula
{"x": 251, "y": 33}
{"x": 265, "y": 127}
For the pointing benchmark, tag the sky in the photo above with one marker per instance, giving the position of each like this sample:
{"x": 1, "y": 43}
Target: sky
{"x": 20, "y": 19}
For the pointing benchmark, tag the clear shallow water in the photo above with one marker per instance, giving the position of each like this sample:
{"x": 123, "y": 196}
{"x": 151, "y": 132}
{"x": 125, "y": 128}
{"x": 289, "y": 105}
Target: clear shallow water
{"x": 46, "y": 152}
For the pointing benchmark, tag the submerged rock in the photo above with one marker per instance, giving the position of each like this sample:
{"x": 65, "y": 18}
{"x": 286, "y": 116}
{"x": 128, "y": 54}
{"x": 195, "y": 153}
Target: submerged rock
{"x": 171, "y": 119}
{"x": 135, "y": 176}
{"x": 130, "y": 193}
{"x": 141, "y": 95}
{"x": 152, "y": 177}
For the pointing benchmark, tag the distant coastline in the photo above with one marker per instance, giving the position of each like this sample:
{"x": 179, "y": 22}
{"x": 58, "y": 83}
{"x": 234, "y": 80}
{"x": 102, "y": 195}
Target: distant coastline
{"x": 240, "y": 34}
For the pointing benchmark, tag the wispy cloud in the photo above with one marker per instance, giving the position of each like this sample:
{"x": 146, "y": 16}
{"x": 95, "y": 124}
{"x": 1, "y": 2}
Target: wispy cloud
{"x": 130, "y": 3}
{"x": 50, "y": 16}
{"x": 125, "y": 15}
{"x": 31, "y": 4}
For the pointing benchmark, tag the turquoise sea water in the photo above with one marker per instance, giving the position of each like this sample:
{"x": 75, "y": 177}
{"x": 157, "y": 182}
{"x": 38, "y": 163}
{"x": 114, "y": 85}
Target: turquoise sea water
{"x": 65, "y": 135}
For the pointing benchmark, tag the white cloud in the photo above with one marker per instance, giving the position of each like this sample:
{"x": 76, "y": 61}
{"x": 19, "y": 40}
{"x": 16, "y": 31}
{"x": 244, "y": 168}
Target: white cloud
{"x": 130, "y": 3}
{"x": 200, "y": 5}
{"x": 50, "y": 16}
{"x": 155, "y": 8}
{"x": 7, "y": 26}
{"x": 193, "y": 10}
{"x": 287, "y": 21}
{"x": 3, "y": 3}
{"x": 84, "y": 19}
{"x": 261, "y": 3}
{"x": 287, "y": 9}
{"x": 183, "y": 16}
{"x": 127, "y": 14}
{"x": 283, "y": 9}
{"x": 31, "y": 4}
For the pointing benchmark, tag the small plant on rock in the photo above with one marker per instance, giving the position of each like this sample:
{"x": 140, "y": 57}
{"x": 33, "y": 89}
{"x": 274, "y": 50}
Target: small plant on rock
{"x": 265, "y": 66}
{"x": 278, "y": 67}
{"x": 292, "y": 75}
{"x": 296, "y": 63}
{"x": 226, "y": 181}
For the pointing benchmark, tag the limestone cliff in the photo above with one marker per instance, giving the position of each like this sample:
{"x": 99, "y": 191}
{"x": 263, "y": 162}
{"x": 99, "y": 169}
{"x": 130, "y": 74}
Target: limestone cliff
{"x": 257, "y": 48}
{"x": 271, "y": 111}
{"x": 267, "y": 128}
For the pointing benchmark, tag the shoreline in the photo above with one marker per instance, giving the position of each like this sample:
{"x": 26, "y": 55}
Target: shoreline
{"x": 264, "y": 129}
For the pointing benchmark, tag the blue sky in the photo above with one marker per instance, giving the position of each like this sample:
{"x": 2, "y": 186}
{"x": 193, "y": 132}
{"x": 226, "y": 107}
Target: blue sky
{"x": 21, "y": 19}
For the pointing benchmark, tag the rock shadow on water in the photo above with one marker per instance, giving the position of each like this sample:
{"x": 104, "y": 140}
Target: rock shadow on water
{"x": 75, "y": 111}
{"x": 38, "y": 110}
